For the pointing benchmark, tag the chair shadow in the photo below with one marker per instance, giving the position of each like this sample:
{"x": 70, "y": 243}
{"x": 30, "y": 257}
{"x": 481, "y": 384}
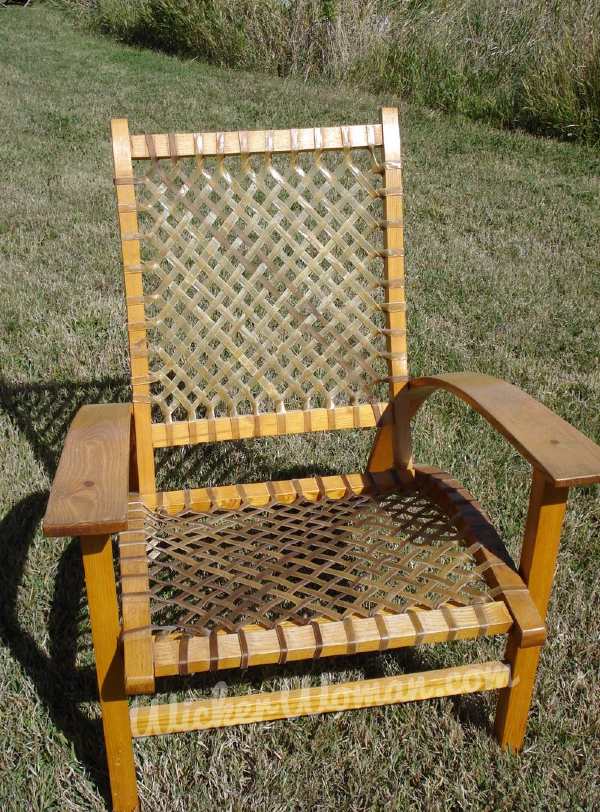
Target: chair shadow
{"x": 42, "y": 413}
{"x": 60, "y": 685}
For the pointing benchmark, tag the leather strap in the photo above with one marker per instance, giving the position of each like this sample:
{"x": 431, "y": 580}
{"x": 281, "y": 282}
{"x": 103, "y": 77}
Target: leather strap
{"x": 243, "y": 649}
{"x": 349, "y": 628}
{"x": 213, "y": 648}
{"x": 283, "y": 648}
{"x": 318, "y": 639}
{"x": 384, "y": 635}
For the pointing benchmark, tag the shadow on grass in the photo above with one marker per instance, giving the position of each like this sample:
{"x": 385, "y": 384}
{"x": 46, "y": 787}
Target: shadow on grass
{"x": 43, "y": 412}
{"x": 58, "y": 683}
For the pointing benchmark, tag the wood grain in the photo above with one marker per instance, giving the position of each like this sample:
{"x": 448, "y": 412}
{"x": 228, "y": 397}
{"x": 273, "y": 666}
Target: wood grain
{"x": 134, "y": 289}
{"x": 229, "y": 143}
{"x": 435, "y": 626}
{"x": 135, "y": 604}
{"x": 90, "y": 490}
{"x": 552, "y": 445}
{"x": 395, "y": 295}
{"x": 104, "y": 617}
{"x": 285, "y": 491}
{"x": 539, "y": 555}
{"x": 270, "y": 424}
{"x": 210, "y": 713}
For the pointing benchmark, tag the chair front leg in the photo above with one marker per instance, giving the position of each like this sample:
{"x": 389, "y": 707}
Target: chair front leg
{"x": 537, "y": 567}
{"x": 104, "y": 617}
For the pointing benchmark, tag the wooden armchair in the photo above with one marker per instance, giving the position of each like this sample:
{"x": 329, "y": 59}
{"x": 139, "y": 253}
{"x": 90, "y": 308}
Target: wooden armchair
{"x": 264, "y": 276}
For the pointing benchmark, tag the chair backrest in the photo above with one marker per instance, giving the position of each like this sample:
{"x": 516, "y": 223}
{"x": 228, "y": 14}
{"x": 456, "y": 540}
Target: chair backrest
{"x": 264, "y": 278}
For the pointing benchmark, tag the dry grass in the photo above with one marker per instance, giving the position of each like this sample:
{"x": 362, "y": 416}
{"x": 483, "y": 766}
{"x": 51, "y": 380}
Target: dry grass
{"x": 517, "y": 63}
{"x": 503, "y": 270}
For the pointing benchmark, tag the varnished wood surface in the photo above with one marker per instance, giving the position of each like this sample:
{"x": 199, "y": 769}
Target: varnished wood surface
{"x": 203, "y": 714}
{"x": 381, "y": 456}
{"x": 538, "y": 563}
{"x": 258, "y": 494}
{"x": 395, "y": 296}
{"x": 488, "y": 549}
{"x": 564, "y": 454}
{"x": 539, "y": 553}
{"x": 104, "y": 617}
{"x": 135, "y": 604}
{"x": 89, "y": 494}
{"x": 514, "y": 701}
{"x": 433, "y": 626}
{"x": 134, "y": 288}
{"x": 270, "y": 424}
{"x": 257, "y": 141}
{"x": 393, "y": 238}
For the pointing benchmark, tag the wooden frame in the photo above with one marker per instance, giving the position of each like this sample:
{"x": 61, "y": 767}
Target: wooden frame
{"x": 131, "y": 255}
{"x": 184, "y": 145}
{"x": 172, "y": 658}
{"x": 204, "y": 714}
{"x": 109, "y": 452}
{"x": 271, "y": 424}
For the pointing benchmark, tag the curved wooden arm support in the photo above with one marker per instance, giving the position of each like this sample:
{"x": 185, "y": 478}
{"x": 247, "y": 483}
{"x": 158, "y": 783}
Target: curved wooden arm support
{"x": 554, "y": 447}
{"x": 91, "y": 486}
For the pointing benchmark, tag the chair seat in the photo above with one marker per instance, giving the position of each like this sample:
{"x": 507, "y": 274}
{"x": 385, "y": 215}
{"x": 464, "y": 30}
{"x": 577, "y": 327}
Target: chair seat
{"x": 359, "y": 555}
{"x": 381, "y": 550}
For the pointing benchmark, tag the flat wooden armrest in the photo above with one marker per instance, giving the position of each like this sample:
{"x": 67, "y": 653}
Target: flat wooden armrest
{"x": 90, "y": 490}
{"x": 551, "y": 445}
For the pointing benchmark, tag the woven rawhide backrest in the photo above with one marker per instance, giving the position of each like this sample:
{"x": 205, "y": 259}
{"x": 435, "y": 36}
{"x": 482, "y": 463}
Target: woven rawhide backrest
{"x": 264, "y": 278}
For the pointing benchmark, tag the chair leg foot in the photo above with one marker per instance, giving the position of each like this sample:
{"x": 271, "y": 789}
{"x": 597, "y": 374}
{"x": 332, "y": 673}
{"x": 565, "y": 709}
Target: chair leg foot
{"x": 514, "y": 702}
{"x": 118, "y": 740}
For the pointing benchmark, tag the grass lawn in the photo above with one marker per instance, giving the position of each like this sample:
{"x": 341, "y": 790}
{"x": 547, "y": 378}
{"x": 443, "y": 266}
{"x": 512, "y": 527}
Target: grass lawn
{"x": 504, "y": 278}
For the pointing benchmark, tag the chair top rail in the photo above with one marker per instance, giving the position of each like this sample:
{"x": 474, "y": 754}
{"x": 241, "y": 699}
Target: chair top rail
{"x": 185, "y": 145}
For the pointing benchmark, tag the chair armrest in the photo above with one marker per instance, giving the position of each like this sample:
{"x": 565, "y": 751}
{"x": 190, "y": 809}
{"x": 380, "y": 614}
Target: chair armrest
{"x": 551, "y": 445}
{"x": 90, "y": 490}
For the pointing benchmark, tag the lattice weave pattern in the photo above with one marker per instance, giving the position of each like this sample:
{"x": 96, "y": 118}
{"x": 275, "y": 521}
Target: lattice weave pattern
{"x": 335, "y": 558}
{"x": 263, "y": 281}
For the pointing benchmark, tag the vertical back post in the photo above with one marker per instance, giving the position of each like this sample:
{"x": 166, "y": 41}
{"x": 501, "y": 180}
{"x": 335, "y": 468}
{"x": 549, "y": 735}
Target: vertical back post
{"x": 395, "y": 303}
{"x": 132, "y": 270}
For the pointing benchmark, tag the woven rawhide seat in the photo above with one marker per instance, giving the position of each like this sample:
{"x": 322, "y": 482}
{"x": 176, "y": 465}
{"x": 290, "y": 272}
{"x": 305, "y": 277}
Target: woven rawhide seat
{"x": 358, "y": 555}
{"x": 335, "y": 552}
